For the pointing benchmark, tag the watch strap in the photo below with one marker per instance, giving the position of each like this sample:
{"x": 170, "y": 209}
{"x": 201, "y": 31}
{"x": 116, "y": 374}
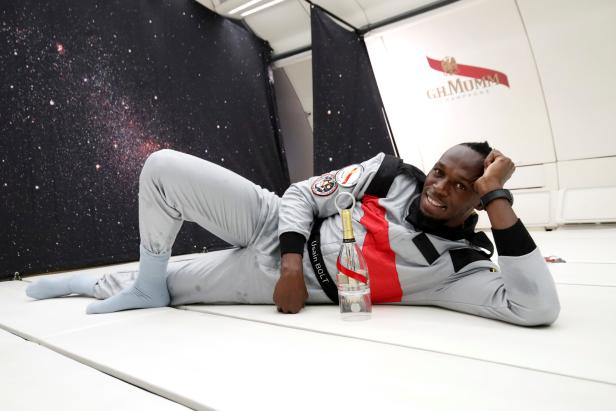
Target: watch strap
{"x": 494, "y": 194}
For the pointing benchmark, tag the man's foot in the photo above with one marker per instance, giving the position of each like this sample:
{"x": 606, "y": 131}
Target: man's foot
{"x": 149, "y": 290}
{"x": 82, "y": 284}
{"x": 49, "y": 288}
{"x": 131, "y": 298}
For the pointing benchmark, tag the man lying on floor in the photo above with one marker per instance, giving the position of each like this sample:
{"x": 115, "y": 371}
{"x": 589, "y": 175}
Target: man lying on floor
{"x": 417, "y": 233}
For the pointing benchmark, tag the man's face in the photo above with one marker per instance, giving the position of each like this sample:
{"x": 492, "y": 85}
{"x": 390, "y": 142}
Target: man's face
{"x": 448, "y": 193}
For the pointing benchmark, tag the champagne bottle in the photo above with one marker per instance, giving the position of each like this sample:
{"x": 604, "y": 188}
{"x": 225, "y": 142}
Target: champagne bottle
{"x": 352, "y": 278}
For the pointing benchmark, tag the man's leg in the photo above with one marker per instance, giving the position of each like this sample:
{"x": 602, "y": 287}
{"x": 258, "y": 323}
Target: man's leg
{"x": 233, "y": 276}
{"x": 225, "y": 276}
{"x": 176, "y": 187}
{"x": 91, "y": 285}
{"x": 58, "y": 287}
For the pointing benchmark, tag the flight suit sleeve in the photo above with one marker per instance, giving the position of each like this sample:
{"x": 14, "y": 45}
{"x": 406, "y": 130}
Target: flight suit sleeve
{"x": 314, "y": 198}
{"x": 520, "y": 290}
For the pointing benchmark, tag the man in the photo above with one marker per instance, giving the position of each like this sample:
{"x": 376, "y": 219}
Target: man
{"x": 416, "y": 232}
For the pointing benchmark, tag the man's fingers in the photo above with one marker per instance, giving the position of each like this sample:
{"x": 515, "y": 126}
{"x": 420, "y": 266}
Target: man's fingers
{"x": 489, "y": 159}
{"x": 289, "y": 310}
{"x": 290, "y": 307}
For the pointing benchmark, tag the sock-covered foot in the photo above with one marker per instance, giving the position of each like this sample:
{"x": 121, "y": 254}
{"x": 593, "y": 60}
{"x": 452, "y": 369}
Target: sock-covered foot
{"x": 58, "y": 287}
{"x": 49, "y": 288}
{"x": 149, "y": 290}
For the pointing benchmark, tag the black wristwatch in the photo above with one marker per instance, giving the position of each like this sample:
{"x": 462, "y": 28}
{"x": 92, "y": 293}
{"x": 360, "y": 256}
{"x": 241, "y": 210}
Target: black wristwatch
{"x": 493, "y": 195}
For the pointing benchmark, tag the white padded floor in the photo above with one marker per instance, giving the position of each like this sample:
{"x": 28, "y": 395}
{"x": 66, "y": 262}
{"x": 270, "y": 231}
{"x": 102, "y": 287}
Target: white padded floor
{"x": 247, "y": 357}
{"x": 36, "y": 378}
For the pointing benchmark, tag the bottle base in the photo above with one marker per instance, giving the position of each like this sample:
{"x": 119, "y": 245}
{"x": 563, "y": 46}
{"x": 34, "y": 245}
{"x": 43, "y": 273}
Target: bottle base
{"x": 356, "y": 316}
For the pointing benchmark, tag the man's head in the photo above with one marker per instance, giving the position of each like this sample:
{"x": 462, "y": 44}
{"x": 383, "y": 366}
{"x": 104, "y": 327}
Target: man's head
{"x": 448, "y": 194}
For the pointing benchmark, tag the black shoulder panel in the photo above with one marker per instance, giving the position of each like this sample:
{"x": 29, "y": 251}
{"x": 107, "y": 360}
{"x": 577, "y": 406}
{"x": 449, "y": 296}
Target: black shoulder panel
{"x": 413, "y": 171}
{"x": 384, "y": 177}
{"x": 461, "y": 257}
{"x": 426, "y": 248}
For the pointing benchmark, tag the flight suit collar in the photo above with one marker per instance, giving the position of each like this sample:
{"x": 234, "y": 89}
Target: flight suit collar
{"x": 464, "y": 232}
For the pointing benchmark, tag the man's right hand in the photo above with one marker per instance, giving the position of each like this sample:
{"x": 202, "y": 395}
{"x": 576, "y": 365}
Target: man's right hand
{"x": 290, "y": 293}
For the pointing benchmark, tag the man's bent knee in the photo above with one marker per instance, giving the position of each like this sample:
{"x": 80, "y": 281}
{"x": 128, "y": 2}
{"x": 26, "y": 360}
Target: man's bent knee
{"x": 157, "y": 161}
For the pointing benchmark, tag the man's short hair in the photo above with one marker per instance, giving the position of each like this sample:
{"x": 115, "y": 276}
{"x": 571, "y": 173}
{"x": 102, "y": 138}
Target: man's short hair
{"x": 482, "y": 148}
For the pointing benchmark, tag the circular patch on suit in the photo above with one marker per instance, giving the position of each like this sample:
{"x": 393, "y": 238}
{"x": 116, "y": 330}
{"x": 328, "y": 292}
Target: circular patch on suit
{"x": 324, "y": 185}
{"x": 349, "y": 176}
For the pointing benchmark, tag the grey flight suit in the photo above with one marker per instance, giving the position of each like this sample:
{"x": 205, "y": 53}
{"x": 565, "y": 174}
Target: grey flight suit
{"x": 176, "y": 187}
{"x": 452, "y": 273}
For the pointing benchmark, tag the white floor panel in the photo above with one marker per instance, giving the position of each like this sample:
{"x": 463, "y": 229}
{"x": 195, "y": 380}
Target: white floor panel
{"x": 36, "y": 378}
{"x": 582, "y": 343}
{"x": 35, "y": 320}
{"x": 251, "y": 357}
{"x": 584, "y": 274}
{"x": 208, "y": 361}
{"x": 590, "y": 244}
{"x": 7, "y": 339}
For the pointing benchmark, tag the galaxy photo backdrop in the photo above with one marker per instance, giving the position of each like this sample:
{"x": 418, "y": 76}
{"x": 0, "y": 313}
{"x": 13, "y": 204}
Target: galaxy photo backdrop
{"x": 349, "y": 118}
{"x": 89, "y": 89}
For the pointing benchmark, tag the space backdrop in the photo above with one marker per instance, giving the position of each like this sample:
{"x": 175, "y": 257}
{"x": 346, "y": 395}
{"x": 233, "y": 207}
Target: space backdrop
{"x": 89, "y": 88}
{"x": 350, "y": 123}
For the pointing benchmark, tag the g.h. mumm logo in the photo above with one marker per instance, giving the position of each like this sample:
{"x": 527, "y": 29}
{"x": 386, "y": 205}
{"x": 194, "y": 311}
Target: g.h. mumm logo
{"x": 478, "y": 81}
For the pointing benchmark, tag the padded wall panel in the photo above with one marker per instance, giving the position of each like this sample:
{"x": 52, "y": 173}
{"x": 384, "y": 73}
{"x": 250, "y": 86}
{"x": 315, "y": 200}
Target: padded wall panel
{"x": 300, "y": 75}
{"x": 388, "y": 74}
{"x": 443, "y": 109}
{"x": 530, "y": 177}
{"x": 595, "y": 172}
{"x": 536, "y": 208}
{"x": 583, "y": 205}
{"x": 296, "y": 130}
{"x": 574, "y": 47}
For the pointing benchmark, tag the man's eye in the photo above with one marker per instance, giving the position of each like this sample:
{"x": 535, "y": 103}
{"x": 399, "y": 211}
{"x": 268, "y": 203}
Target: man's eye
{"x": 437, "y": 171}
{"x": 460, "y": 186}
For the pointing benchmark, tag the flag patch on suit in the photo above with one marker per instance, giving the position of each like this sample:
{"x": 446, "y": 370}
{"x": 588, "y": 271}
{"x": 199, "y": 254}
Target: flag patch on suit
{"x": 349, "y": 176}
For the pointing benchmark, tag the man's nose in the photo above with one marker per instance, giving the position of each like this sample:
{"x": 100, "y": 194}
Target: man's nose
{"x": 440, "y": 186}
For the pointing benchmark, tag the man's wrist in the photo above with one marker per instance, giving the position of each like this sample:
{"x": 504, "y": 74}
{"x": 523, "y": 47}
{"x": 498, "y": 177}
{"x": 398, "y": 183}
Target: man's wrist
{"x": 291, "y": 264}
{"x": 484, "y": 189}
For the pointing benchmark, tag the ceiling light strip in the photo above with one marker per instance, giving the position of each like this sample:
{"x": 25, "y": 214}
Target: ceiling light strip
{"x": 245, "y": 6}
{"x": 261, "y": 7}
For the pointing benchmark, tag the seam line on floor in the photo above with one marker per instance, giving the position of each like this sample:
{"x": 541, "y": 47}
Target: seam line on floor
{"x": 100, "y": 368}
{"x": 405, "y": 346}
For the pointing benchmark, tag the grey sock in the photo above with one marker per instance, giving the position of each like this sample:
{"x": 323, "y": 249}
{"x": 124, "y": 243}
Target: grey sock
{"x": 149, "y": 290}
{"x": 58, "y": 287}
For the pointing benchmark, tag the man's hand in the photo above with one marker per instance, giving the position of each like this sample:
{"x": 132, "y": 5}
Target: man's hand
{"x": 497, "y": 169}
{"x": 290, "y": 292}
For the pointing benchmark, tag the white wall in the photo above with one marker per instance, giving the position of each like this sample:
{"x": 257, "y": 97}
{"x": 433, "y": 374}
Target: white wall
{"x": 556, "y": 110}
{"x": 486, "y": 33}
{"x": 575, "y": 52}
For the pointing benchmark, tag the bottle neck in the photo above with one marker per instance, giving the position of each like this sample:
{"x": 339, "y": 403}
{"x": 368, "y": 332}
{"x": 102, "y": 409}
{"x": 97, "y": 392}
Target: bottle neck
{"x": 347, "y": 226}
